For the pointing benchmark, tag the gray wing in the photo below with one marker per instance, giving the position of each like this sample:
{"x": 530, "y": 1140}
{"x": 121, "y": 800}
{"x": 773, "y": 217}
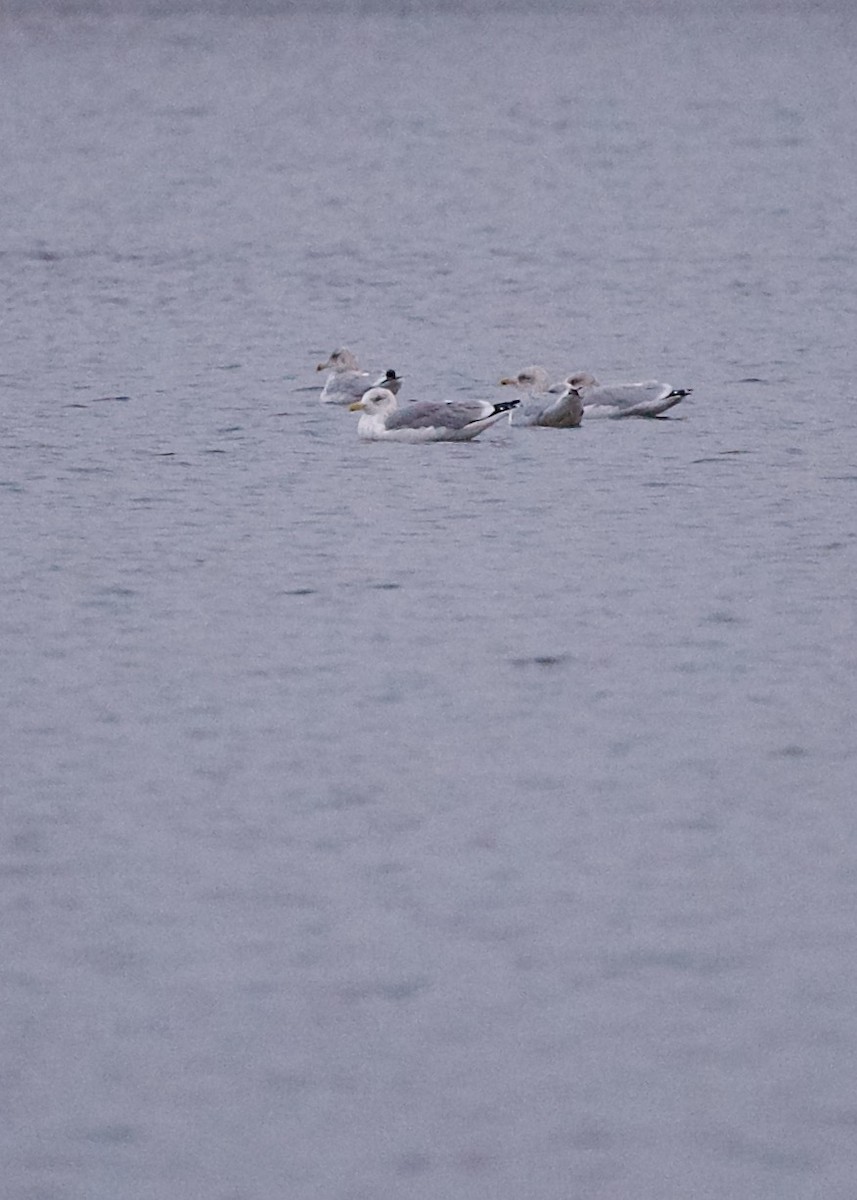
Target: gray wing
{"x": 627, "y": 395}
{"x": 648, "y": 399}
{"x": 347, "y": 386}
{"x": 428, "y": 414}
{"x": 529, "y": 411}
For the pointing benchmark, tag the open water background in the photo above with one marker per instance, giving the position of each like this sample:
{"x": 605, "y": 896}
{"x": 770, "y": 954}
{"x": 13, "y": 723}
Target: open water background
{"x": 450, "y": 821}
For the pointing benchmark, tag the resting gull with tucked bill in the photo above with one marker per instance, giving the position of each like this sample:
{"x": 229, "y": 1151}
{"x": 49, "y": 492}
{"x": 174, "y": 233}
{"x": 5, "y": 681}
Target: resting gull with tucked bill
{"x": 424, "y": 420}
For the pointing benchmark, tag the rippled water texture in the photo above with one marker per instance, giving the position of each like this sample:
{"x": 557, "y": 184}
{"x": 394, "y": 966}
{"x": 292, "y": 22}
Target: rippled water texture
{"x": 438, "y": 821}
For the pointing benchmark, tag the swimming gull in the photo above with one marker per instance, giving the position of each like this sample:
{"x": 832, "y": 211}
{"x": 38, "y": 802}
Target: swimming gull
{"x": 555, "y": 406}
{"x": 424, "y": 420}
{"x": 347, "y": 383}
{"x": 648, "y": 398}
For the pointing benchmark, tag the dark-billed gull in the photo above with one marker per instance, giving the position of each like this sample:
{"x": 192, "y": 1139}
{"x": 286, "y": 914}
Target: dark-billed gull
{"x": 555, "y": 406}
{"x": 424, "y": 420}
{"x": 347, "y": 383}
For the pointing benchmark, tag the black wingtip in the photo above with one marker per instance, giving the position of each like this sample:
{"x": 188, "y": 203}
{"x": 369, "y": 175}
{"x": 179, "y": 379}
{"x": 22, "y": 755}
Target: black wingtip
{"x": 506, "y": 405}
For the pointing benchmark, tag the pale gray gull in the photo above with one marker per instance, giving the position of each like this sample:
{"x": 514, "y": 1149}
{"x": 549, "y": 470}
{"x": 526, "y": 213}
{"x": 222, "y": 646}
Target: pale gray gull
{"x": 424, "y": 420}
{"x": 347, "y": 383}
{"x": 554, "y": 406}
{"x": 646, "y": 399}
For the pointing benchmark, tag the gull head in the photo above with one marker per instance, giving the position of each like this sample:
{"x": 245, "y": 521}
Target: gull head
{"x": 581, "y": 379}
{"x": 340, "y": 360}
{"x": 376, "y": 400}
{"x": 531, "y": 379}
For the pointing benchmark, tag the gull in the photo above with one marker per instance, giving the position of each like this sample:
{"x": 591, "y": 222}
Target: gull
{"x": 347, "y": 383}
{"x": 645, "y": 399}
{"x": 556, "y": 406}
{"x": 649, "y": 398}
{"x": 424, "y": 420}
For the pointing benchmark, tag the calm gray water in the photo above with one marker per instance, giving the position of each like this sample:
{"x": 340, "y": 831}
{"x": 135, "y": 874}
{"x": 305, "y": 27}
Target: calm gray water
{"x": 446, "y": 821}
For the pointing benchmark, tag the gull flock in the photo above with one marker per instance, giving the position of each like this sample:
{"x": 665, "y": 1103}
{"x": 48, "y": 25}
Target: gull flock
{"x": 553, "y": 405}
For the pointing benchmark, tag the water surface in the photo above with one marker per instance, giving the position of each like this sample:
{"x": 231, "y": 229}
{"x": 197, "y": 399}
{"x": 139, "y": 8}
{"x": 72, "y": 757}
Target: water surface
{"x": 446, "y": 820}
